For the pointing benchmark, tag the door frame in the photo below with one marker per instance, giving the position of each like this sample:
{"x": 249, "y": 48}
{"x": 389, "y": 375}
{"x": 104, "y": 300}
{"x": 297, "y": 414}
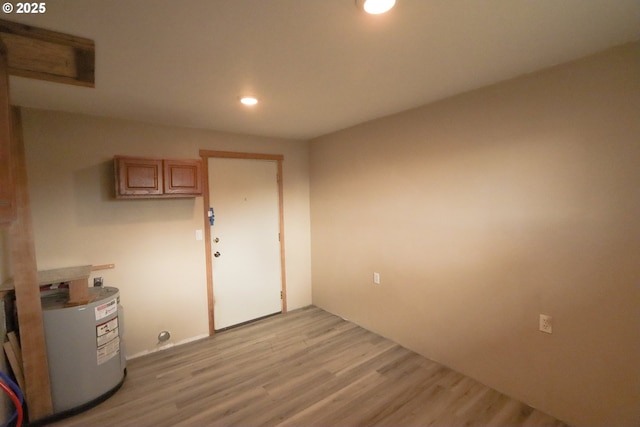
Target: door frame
{"x": 205, "y": 155}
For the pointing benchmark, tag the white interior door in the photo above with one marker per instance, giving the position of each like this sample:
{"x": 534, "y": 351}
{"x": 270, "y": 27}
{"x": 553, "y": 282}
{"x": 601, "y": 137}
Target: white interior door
{"x": 245, "y": 246}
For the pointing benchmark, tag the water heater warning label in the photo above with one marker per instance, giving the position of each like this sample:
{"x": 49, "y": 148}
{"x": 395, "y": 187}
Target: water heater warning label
{"x": 107, "y": 340}
{"x": 106, "y": 309}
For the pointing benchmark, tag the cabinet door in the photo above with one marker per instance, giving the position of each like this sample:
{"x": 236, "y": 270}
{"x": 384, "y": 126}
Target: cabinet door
{"x": 137, "y": 177}
{"x": 7, "y": 189}
{"x": 182, "y": 177}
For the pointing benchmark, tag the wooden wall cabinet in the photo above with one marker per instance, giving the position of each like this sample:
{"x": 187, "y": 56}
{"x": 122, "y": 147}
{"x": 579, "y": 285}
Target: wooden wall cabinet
{"x": 138, "y": 177}
{"x": 182, "y": 177}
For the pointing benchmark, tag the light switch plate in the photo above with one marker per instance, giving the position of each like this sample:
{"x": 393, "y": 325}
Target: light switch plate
{"x": 376, "y": 278}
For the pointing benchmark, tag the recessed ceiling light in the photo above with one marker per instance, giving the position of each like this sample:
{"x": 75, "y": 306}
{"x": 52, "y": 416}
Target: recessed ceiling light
{"x": 375, "y": 7}
{"x": 249, "y": 100}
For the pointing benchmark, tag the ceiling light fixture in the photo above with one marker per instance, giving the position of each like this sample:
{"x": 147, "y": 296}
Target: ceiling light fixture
{"x": 249, "y": 100}
{"x": 375, "y": 7}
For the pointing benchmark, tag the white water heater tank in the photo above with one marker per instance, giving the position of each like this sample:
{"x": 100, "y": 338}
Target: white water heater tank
{"x": 85, "y": 348}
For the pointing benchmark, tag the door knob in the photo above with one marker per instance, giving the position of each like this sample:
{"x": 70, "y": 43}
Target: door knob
{"x": 217, "y": 254}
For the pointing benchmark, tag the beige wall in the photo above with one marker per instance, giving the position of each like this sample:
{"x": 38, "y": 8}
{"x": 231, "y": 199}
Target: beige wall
{"x": 480, "y": 212}
{"x": 160, "y": 266}
{"x": 484, "y": 210}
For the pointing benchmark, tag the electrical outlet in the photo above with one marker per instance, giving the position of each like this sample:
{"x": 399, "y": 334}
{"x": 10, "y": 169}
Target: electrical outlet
{"x": 376, "y": 278}
{"x": 546, "y": 324}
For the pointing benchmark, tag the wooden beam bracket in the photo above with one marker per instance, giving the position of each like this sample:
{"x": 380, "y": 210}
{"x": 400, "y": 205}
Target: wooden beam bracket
{"x": 48, "y": 55}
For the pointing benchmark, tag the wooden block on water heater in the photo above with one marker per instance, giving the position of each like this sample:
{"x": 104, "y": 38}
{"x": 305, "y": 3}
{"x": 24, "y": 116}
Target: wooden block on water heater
{"x": 79, "y": 292}
{"x": 67, "y": 274}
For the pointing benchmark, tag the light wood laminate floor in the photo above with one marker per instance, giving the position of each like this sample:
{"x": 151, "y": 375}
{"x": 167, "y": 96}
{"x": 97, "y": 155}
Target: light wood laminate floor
{"x": 304, "y": 368}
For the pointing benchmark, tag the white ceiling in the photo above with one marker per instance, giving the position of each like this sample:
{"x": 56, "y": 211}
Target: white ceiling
{"x": 317, "y": 66}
